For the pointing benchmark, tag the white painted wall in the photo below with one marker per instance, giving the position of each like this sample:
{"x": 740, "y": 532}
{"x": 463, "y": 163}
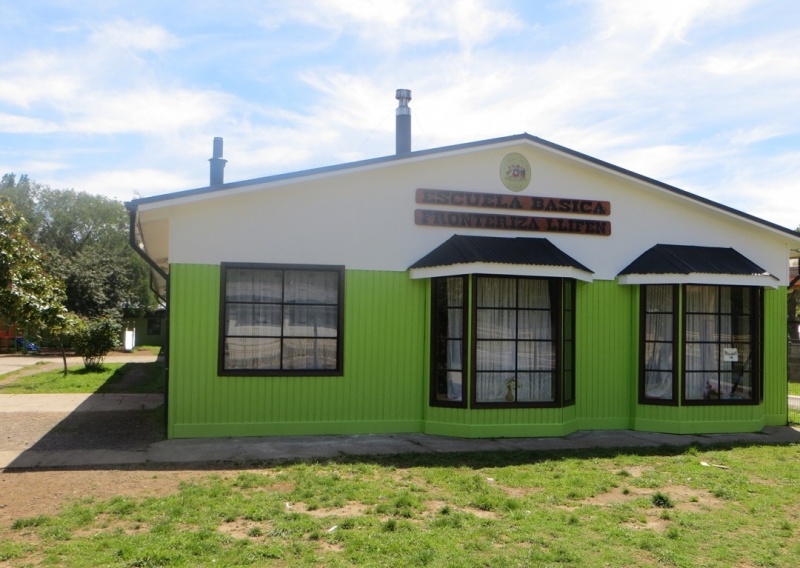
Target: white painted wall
{"x": 365, "y": 219}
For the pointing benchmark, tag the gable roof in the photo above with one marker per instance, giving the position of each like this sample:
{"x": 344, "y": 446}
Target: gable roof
{"x": 456, "y": 148}
{"x": 461, "y": 254}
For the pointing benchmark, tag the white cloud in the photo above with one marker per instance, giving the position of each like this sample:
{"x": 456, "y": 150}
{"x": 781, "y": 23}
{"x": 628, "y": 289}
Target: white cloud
{"x": 124, "y": 185}
{"x": 16, "y": 124}
{"x": 135, "y": 36}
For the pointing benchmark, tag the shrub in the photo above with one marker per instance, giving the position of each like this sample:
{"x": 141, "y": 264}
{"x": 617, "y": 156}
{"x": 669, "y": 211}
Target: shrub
{"x": 94, "y": 339}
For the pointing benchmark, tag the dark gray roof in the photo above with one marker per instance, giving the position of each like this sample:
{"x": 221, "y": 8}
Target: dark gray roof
{"x": 532, "y": 251}
{"x": 684, "y": 259}
{"x": 132, "y": 205}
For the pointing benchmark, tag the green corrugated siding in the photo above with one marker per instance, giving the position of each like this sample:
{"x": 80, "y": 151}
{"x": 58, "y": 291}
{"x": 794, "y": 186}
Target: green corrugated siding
{"x": 386, "y": 371}
{"x": 382, "y": 389}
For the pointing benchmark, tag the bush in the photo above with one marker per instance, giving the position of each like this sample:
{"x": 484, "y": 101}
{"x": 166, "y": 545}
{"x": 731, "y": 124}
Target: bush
{"x": 94, "y": 339}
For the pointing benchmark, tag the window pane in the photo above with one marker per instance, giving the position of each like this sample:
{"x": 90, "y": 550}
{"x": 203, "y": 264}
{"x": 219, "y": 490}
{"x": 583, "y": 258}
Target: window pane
{"x": 494, "y": 387}
{"x": 534, "y": 294}
{"x": 700, "y": 386}
{"x": 535, "y": 387}
{"x": 702, "y": 356}
{"x": 310, "y": 321}
{"x": 311, "y": 287}
{"x": 454, "y": 386}
{"x": 455, "y": 291}
{"x": 241, "y": 353}
{"x": 535, "y": 325}
{"x": 658, "y": 327}
{"x": 497, "y": 324}
{"x": 253, "y": 320}
{"x": 658, "y": 357}
{"x": 658, "y": 385}
{"x": 701, "y": 299}
{"x": 455, "y": 323}
{"x": 309, "y": 354}
{"x": 454, "y": 357}
{"x": 496, "y": 355}
{"x": 535, "y": 356}
{"x": 702, "y": 328}
{"x": 659, "y": 299}
{"x": 248, "y": 285}
{"x": 497, "y": 292}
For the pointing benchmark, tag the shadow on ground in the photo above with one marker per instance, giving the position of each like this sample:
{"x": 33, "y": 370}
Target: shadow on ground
{"x": 125, "y": 430}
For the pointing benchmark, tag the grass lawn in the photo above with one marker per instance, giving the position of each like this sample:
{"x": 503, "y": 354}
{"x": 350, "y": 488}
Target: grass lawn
{"x": 113, "y": 377}
{"x": 602, "y": 508}
{"x": 794, "y": 388}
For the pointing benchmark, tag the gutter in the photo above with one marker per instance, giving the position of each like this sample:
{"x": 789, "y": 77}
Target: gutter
{"x": 133, "y": 214}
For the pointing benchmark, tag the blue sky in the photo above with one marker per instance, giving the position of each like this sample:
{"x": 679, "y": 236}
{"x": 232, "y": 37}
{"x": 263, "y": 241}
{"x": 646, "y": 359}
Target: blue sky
{"x": 123, "y": 98}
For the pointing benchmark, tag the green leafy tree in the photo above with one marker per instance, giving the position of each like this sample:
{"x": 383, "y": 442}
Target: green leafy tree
{"x": 29, "y": 296}
{"x": 85, "y": 238}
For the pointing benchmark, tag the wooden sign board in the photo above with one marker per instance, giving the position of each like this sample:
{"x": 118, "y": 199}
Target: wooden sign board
{"x": 514, "y": 202}
{"x": 469, "y": 220}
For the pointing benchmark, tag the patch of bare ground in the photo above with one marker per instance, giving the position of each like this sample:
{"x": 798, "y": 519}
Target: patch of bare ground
{"x": 349, "y": 510}
{"x": 243, "y": 528}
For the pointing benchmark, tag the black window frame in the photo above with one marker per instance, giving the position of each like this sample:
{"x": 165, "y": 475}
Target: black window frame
{"x": 680, "y": 341}
{"x": 756, "y": 347}
{"x": 283, "y": 269}
{"x": 563, "y": 306}
{"x": 676, "y": 346}
{"x": 440, "y": 337}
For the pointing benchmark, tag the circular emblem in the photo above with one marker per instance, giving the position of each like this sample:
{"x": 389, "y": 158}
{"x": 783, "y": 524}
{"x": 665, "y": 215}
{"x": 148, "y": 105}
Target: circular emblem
{"x": 515, "y": 172}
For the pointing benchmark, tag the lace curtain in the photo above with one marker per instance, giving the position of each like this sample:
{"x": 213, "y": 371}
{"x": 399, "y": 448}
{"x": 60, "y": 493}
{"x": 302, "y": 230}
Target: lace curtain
{"x": 658, "y": 336}
{"x": 515, "y": 355}
{"x": 281, "y": 319}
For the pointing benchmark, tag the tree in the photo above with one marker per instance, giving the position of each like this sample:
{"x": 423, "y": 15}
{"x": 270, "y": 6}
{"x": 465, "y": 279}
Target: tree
{"x": 85, "y": 238}
{"x": 29, "y": 296}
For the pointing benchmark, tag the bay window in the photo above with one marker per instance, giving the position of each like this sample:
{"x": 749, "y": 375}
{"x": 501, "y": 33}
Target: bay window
{"x": 521, "y": 333}
{"x": 718, "y": 333}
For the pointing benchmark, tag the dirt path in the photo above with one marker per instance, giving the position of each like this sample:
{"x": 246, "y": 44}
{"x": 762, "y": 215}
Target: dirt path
{"x": 28, "y": 493}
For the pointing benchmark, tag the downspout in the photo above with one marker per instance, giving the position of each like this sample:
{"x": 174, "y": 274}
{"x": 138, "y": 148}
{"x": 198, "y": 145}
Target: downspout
{"x": 133, "y": 220}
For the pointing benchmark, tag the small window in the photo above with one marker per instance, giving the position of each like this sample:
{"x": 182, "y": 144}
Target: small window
{"x": 659, "y": 344}
{"x": 281, "y": 320}
{"x": 448, "y": 330}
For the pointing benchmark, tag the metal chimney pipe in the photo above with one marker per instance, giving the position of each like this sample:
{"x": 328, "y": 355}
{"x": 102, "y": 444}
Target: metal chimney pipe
{"x": 403, "y": 122}
{"x": 217, "y": 167}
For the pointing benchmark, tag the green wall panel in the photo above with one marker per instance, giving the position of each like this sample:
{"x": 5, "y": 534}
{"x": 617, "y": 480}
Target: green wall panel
{"x": 605, "y": 390}
{"x": 381, "y": 390}
{"x": 384, "y": 387}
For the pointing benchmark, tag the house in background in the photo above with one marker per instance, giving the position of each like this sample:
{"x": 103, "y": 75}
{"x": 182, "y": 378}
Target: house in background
{"x": 507, "y": 287}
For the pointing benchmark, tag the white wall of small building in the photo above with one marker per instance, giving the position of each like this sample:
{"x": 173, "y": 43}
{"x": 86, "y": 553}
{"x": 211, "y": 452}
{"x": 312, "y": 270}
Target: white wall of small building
{"x": 364, "y": 218}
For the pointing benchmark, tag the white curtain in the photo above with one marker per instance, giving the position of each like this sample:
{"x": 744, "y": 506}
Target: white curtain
{"x": 277, "y": 319}
{"x": 658, "y": 335}
{"x": 515, "y": 353}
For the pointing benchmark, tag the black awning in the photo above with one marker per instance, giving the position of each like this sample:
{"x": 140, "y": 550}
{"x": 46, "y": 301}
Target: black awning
{"x": 684, "y": 259}
{"x": 520, "y": 251}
